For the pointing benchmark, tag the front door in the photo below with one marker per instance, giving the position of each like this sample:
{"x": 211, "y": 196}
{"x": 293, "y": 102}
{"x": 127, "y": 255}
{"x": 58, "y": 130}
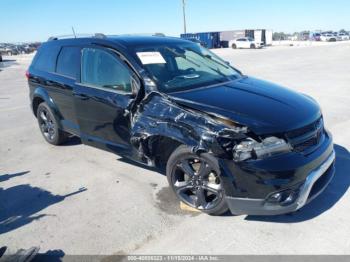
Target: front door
{"x": 101, "y": 100}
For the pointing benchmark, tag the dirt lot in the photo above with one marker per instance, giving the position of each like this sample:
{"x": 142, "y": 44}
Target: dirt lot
{"x": 81, "y": 200}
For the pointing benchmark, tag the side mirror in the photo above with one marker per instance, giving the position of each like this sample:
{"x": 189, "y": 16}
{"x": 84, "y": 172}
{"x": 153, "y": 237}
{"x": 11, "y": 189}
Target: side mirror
{"x": 227, "y": 63}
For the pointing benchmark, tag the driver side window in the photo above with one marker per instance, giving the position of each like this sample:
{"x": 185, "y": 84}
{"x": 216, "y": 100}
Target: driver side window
{"x": 99, "y": 68}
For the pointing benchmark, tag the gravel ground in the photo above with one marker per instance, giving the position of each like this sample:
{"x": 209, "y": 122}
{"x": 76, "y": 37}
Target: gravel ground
{"x": 81, "y": 200}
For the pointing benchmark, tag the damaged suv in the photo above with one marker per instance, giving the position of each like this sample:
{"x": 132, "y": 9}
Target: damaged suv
{"x": 227, "y": 141}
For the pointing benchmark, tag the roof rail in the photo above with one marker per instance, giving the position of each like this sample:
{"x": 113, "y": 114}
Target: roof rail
{"x": 96, "y": 35}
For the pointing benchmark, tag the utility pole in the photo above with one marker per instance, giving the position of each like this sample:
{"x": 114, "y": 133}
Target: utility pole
{"x": 184, "y": 14}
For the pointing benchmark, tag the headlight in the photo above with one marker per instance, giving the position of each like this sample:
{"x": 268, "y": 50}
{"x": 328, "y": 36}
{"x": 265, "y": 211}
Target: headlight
{"x": 250, "y": 148}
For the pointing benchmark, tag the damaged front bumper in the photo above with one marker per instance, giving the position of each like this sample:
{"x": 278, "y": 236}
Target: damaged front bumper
{"x": 277, "y": 191}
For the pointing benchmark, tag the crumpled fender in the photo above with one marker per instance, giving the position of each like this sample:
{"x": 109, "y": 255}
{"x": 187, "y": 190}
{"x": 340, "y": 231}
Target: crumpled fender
{"x": 158, "y": 115}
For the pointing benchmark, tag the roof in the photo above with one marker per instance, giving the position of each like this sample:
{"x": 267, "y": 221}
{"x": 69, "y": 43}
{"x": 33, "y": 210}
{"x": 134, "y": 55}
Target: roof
{"x": 135, "y": 41}
{"x": 128, "y": 41}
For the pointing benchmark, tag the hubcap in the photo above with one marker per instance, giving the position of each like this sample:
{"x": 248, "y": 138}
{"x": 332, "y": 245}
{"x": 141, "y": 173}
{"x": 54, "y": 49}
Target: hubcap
{"x": 46, "y": 124}
{"x": 197, "y": 184}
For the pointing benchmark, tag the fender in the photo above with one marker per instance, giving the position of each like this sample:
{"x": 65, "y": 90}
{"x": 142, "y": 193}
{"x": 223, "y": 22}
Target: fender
{"x": 41, "y": 93}
{"x": 158, "y": 116}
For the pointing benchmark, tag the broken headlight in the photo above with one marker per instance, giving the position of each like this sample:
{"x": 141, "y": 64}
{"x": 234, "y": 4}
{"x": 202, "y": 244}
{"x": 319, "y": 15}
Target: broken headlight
{"x": 250, "y": 148}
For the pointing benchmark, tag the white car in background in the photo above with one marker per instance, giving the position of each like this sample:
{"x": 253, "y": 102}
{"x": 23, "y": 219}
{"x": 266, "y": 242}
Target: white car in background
{"x": 328, "y": 38}
{"x": 245, "y": 42}
{"x": 343, "y": 36}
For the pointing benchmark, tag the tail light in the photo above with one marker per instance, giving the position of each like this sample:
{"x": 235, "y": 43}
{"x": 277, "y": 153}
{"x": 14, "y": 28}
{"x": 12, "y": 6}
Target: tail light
{"x": 27, "y": 75}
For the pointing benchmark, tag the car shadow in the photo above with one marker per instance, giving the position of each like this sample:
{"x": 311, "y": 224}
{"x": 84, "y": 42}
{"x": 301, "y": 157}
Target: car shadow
{"x": 7, "y": 63}
{"x": 31, "y": 254}
{"x": 332, "y": 194}
{"x": 6, "y": 177}
{"x": 19, "y": 205}
{"x": 8, "y": 60}
{"x": 72, "y": 141}
{"x": 50, "y": 256}
{"x": 159, "y": 170}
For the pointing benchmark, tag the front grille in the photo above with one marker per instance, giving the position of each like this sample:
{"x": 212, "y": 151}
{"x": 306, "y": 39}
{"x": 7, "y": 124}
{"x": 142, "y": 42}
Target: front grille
{"x": 306, "y": 138}
{"x": 309, "y": 128}
{"x": 305, "y": 145}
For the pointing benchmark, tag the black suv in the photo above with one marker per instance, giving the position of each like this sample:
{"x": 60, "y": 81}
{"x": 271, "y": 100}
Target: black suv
{"x": 226, "y": 140}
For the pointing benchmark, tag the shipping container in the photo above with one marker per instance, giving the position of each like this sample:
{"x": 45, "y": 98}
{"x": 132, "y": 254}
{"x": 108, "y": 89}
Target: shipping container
{"x": 209, "y": 39}
{"x": 230, "y": 35}
{"x": 268, "y": 37}
{"x": 260, "y": 35}
{"x": 221, "y": 39}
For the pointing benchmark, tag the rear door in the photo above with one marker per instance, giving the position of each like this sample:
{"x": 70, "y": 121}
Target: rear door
{"x": 66, "y": 75}
{"x": 55, "y": 69}
{"x": 102, "y": 98}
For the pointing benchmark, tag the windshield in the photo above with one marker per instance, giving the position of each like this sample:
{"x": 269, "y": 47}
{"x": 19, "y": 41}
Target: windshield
{"x": 185, "y": 66}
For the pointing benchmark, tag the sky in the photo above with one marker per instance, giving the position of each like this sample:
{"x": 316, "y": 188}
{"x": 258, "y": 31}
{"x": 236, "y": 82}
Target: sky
{"x": 37, "y": 20}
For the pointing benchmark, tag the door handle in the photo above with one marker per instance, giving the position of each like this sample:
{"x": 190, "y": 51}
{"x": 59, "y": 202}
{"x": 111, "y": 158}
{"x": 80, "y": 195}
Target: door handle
{"x": 81, "y": 96}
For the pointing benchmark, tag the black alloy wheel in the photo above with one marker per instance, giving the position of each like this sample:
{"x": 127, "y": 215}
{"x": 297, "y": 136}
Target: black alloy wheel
{"x": 196, "y": 181}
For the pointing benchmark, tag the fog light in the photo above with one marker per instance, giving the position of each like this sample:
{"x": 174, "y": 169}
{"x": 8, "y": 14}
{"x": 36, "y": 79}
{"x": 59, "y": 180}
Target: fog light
{"x": 283, "y": 198}
{"x": 289, "y": 199}
{"x": 275, "y": 198}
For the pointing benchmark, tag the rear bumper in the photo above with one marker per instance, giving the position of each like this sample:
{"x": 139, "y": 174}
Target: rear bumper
{"x": 314, "y": 184}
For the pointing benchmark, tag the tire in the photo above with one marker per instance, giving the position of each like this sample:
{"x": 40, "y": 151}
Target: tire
{"x": 200, "y": 185}
{"x": 252, "y": 46}
{"x": 234, "y": 46}
{"x": 49, "y": 127}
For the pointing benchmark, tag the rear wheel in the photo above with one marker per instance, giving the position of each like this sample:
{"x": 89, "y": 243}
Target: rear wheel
{"x": 234, "y": 46}
{"x": 49, "y": 126}
{"x": 196, "y": 180}
{"x": 252, "y": 46}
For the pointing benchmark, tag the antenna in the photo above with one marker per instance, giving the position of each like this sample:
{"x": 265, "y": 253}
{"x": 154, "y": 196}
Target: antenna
{"x": 75, "y": 36}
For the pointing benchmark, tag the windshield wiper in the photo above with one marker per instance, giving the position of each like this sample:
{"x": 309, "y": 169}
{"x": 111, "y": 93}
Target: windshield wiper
{"x": 182, "y": 77}
{"x": 210, "y": 58}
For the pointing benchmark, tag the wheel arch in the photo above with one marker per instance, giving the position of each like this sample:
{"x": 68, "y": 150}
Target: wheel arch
{"x": 162, "y": 147}
{"x": 41, "y": 95}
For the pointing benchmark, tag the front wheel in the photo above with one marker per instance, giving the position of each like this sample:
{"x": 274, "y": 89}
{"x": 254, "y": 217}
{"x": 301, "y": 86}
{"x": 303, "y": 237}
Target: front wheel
{"x": 196, "y": 180}
{"x": 252, "y": 46}
{"x": 234, "y": 46}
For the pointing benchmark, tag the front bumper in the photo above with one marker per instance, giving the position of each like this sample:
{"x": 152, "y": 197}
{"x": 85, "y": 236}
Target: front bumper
{"x": 314, "y": 185}
{"x": 249, "y": 186}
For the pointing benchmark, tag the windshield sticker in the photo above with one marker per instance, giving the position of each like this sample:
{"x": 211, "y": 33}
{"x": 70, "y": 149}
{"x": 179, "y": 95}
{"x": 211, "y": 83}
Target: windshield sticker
{"x": 151, "y": 58}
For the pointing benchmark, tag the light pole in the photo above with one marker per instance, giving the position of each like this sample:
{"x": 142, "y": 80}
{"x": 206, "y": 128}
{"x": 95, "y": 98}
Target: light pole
{"x": 184, "y": 14}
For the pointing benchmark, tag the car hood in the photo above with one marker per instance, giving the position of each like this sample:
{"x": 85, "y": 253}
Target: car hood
{"x": 263, "y": 107}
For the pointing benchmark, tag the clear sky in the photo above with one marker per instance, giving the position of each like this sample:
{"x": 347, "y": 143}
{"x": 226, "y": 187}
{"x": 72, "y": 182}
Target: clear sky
{"x": 28, "y": 20}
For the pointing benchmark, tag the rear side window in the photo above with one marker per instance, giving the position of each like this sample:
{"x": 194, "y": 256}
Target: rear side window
{"x": 68, "y": 62}
{"x": 102, "y": 69}
{"x": 46, "y": 58}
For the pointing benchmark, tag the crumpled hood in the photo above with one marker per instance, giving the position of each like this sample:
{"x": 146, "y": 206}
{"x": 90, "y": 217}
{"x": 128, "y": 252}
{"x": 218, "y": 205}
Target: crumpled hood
{"x": 263, "y": 107}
